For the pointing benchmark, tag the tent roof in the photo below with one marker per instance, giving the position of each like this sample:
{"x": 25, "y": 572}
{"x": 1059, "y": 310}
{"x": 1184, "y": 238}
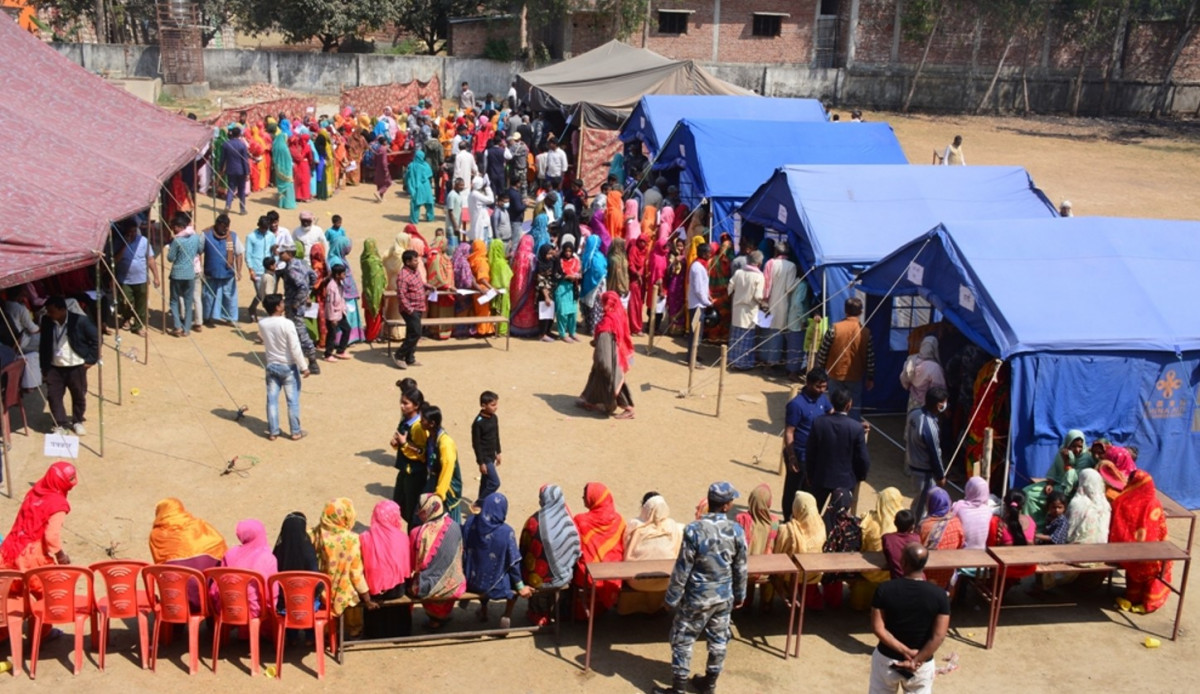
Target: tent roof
{"x": 1055, "y": 285}
{"x": 606, "y": 82}
{"x": 730, "y": 158}
{"x": 655, "y": 115}
{"x": 63, "y": 190}
{"x": 839, "y": 215}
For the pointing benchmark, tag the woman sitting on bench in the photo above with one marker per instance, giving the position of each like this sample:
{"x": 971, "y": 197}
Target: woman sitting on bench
{"x": 1137, "y": 516}
{"x": 437, "y": 562}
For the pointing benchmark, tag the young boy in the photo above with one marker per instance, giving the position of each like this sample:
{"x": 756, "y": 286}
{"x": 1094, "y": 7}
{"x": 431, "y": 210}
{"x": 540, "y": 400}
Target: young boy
{"x": 1055, "y": 532}
{"x": 264, "y": 286}
{"x": 894, "y": 543}
{"x": 485, "y": 439}
{"x": 337, "y": 324}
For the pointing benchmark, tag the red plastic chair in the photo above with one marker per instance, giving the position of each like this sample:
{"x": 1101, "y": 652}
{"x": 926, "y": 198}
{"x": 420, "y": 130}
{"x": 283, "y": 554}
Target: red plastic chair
{"x": 59, "y": 604}
{"x": 233, "y": 585}
{"x": 10, "y": 397}
{"x": 299, "y": 590}
{"x": 12, "y": 592}
{"x": 122, "y": 599}
{"x": 167, "y": 591}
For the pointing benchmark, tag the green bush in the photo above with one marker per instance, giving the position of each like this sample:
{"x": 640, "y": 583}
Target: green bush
{"x": 405, "y": 47}
{"x": 497, "y": 49}
{"x": 355, "y": 44}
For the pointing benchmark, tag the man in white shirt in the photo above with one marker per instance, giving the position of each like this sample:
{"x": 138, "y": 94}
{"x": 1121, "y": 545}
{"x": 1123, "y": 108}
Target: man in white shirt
{"x": 456, "y": 143}
{"x": 479, "y": 201}
{"x": 781, "y": 281}
{"x": 69, "y": 346}
{"x": 464, "y": 166}
{"x": 746, "y": 297}
{"x": 698, "y": 297}
{"x": 556, "y": 163}
{"x": 309, "y": 234}
{"x": 285, "y": 366}
{"x": 283, "y": 236}
{"x": 466, "y": 97}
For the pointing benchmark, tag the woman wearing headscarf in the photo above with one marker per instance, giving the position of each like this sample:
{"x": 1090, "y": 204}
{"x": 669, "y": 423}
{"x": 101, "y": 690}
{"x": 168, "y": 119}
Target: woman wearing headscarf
{"x": 320, "y": 145}
{"x": 974, "y": 512}
{"x": 284, "y": 171}
{"x": 1115, "y": 467}
{"x": 940, "y": 529}
{"x": 491, "y": 559}
{"x": 614, "y": 211}
{"x": 633, "y": 226}
{"x": 294, "y": 552}
{"x": 254, "y": 554}
{"x": 300, "y": 159}
{"x": 720, "y": 272}
{"x": 1089, "y": 514}
{"x": 1137, "y": 516}
{"x": 921, "y": 372}
{"x": 374, "y": 285}
{"x": 394, "y": 260}
{"x": 804, "y": 534}
{"x": 339, "y": 253}
{"x": 339, "y": 554}
{"x": 656, "y": 272}
{"x": 256, "y": 147}
{"x": 638, "y": 253}
{"x": 356, "y": 147}
{"x": 761, "y": 528}
{"x": 441, "y": 460}
{"x": 437, "y": 561}
{"x": 569, "y": 224}
{"x": 481, "y": 272}
{"x": 878, "y": 522}
{"x": 612, "y": 354}
{"x": 843, "y": 533}
{"x": 539, "y": 229}
{"x": 501, "y": 280}
{"x": 382, "y": 168}
{"x": 320, "y": 268}
{"x": 387, "y": 564}
{"x": 549, "y": 550}
{"x": 654, "y": 536}
{"x": 594, "y": 278}
{"x": 1061, "y": 477}
{"x": 523, "y": 319}
{"x": 441, "y": 278}
{"x": 601, "y": 538}
{"x": 676, "y": 289}
{"x": 618, "y": 270}
{"x": 179, "y": 537}
{"x": 597, "y": 226}
{"x": 418, "y": 181}
{"x": 36, "y": 535}
{"x": 567, "y": 275}
{"x": 545, "y": 273}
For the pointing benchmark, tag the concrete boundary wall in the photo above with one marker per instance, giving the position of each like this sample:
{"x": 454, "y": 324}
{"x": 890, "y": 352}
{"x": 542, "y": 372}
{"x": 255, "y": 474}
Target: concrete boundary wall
{"x": 941, "y": 89}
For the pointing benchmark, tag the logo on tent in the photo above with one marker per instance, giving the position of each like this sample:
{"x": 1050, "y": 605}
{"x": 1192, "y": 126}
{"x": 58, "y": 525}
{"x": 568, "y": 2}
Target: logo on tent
{"x": 1168, "y": 401}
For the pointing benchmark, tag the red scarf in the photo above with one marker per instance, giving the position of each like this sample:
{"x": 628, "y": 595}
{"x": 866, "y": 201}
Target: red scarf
{"x": 47, "y": 497}
{"x": 616, "y": 322}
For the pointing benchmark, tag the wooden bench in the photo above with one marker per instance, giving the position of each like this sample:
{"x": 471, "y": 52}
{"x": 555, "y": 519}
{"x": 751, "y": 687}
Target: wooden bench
{"x": 389, "y": 298}
{"x": 858, "y": 562}
{"x": 1081, "y": 558}
{"x": 343, "y": 645}
{"x": 756, "y": 565}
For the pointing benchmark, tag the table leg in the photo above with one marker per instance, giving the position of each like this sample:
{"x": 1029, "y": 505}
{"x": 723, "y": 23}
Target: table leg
{"x": 993, "y": 610}
{"x": 587, "y": 656}
{"x": 787, "y": 647}
{"x": 1187, "y": 565}
{"x": 800, "y": 615}
{"x": 998, "y": 592}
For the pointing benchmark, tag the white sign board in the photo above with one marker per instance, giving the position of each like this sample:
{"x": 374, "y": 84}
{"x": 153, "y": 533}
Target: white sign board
{"x": 916, "y": 273}
{"x": 966, "y": 298}
{"x": 61, "y": 446}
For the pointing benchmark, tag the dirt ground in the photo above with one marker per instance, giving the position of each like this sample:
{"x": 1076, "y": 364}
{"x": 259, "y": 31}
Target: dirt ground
{"x": 169, "y": 430}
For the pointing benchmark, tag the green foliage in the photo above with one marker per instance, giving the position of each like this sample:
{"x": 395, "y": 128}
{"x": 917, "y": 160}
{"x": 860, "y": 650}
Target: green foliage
{"x": 497, "y": 49}
{"x": 628, "y": 14}
{"x": 919, "y": 17}
{"x": 406, "y": 47}
{"x": 429, "y": 20}
{"x": 330, "y": 21}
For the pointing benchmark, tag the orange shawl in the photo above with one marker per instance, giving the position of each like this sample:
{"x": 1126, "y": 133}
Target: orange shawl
{"x": 178, "y": 534}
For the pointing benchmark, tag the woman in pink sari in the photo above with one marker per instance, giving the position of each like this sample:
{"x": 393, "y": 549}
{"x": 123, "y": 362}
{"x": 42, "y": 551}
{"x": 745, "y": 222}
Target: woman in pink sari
{"x": 1116, "y": 466}
{"x": 676, "y": 284}
{"x": 656, "y": 271}
{"x": 387, "y": 564}
{"x": 524, "y": 319}
{"x": 633, "y": 226}
{"x": 254, "y": 554}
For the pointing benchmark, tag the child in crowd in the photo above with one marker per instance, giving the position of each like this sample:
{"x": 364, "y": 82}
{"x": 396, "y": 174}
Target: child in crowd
{"x": 337, "y": 323}
{"x": 264, "y": 286}
{"x": 894, "y": 543}
{"x": 1056, "y": 521}
{"x": 485, "y": 439}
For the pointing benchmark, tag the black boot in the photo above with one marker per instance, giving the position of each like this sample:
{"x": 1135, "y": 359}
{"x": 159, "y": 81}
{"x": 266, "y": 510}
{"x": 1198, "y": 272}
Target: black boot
{"x": 710, "y": 683}
{"x": 679, "y": 686}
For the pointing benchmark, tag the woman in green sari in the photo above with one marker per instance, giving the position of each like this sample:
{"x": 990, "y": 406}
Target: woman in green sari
{"x": 501, "y": 278}
{"x": 281, "y": 162}
{"x": 1063, "y": 476}
{"x": 374, "y": 280}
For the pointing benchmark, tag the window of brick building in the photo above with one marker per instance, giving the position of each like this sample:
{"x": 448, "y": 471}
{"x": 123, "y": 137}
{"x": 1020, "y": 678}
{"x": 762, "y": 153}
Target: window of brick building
{"x": 767, "y": 24}
{"x": 673, "y": 22}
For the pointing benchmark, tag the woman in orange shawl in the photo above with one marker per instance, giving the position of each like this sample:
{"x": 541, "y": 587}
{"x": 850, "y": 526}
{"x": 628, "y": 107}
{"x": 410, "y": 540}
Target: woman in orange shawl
{"x": 441, "y": 276}
{"x": 356, "y": 146}
{"x": 482, "y": 270}
{"x": 1137, "y": 516}
{"x": 614, "y": 213}
{"x": 256, "y": 146}
{"x": 178, "y": 535}
{"x": 601, "y": 538}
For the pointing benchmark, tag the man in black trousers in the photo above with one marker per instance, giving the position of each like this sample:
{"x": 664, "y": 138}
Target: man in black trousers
{"x": 70, "y": 346}
{"x": 837, "y": 449}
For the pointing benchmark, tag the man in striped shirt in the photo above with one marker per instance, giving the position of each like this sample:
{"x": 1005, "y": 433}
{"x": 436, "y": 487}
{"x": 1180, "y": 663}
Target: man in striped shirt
{"x": 411, "y": 293}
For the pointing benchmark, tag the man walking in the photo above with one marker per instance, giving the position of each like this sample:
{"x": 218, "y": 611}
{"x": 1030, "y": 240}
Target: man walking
{"x": 466, "y": 97}
{"x": 836, "y": 452}
{"x": 708, "y": 583}
{"x": 235, "y": 162}
{"x": 848, "y": 356}
{"x": 260, "y": 245}
{"x": 910, "y": 617}
{"x": 923, "y": 447}
{"x": 698, "y": 297}
{"x": 286, "y": 364}
{"x": 298, "y": 279}
{"x": 133, "y": 259}
{"x": 412, "y": 291}
{"x": 69, "y": 347}
{"x": 804, "y": 409}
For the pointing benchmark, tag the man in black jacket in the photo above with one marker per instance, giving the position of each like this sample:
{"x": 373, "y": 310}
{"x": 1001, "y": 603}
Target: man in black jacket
{"x": 837, "y": 449}
{"x": 70, "y": 346}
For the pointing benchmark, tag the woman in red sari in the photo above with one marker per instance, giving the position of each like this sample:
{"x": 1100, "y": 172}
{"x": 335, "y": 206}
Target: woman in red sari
{"x": 1137, "y": 516}
{"x": 302, "y": 173}
{"x": 601, "y": 538}
{"x": 720, "y": 272}
{"x": 524, "y": 320}
{"x": 36, "y": 535}
{"x": 316, "y": 260}
{"x": 639, "y": 252}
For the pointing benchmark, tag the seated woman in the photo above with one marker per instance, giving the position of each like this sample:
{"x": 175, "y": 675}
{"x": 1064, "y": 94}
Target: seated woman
{"x": 294, "y": 552}
{"x": 843, "y": 533}
{"x": 878, "y": 522}
{"x": 1137, "y": 516}
{"x": 387, "y": 564}
{"x": 180, "y": 538}
{"x": 803, "y": 534}
{"x": 761, "y": 527}
{"x": 606, "y": 389}
{"x": 974, "y": 513}
{"x": 654, "y": 536}
{"x": 1116, "y": 465}
{"x": 339, "y": 554}
{"x": 437, "y": 561}
{"x": 254, "y": 554}
{"x": 1013, "y": 528}
{"x": 1061, "y": 477}
{"x": 491, "y": 559}
{"x": 601, "y": 538}
{"x": 549, "y": 550}
{"x": 940, "y": 529}
{"x": 1089, "y": 513}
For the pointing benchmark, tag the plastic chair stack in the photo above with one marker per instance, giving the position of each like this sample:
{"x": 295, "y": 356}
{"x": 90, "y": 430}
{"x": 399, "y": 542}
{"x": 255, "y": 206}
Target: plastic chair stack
{"x": 12, "y": 592}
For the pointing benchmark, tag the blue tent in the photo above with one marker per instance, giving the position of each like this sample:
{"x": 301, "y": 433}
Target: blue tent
{"x": 1096, "y": 318}
{"x": 840, "y": 219}
{"x": 726, "y": 160}
{"x": 655, "y": 115}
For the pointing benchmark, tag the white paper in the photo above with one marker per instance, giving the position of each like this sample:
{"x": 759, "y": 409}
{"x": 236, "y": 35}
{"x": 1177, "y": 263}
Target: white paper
{"x": 61, "y": 446}
{"x": 916, "y": 273}
{"x": 432, "y": 296}
{"x": 782, "y": 215}
{"x": 661, "y": 307}
{"x": 762, "y": 318}
{"x": 503, "y": 290}
{"x": 545, "y": 310}
{"x": 966, "y": 298}
{"x": 487, "y": 296}
{"x": 464, "y": 292}
{"x": 625, "y": 302}
{"x": 311, "y": 311}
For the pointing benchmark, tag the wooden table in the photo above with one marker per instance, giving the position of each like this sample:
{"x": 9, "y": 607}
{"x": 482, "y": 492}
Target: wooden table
{"x": 756, "y": 565}
{"x": 1106, "y": 553}
{"x": 1173, "y": 510}
{"x": 857, "y": 562}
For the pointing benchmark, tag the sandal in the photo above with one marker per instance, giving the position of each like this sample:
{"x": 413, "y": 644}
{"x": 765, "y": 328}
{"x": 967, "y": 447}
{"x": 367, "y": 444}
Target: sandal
{"x": 299, "y": 435}
{"x": 272, "y": 437}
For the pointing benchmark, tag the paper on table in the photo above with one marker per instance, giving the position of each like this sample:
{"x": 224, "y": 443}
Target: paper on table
{"x": 311, "y": 311}
{"x": 545, "y": 310}
{"x": 464, "y": 292}
{"x": 432, "y": 296}
{"x": 486, "y": 297}
{"x": 762, "y": 318}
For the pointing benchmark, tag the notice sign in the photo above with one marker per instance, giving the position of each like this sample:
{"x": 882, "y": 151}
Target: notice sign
{"x": 916, "y": 273}
{"x": 782, "y": 215}
{"x": 61, "y": 446}
{"x": 966, "y": 297}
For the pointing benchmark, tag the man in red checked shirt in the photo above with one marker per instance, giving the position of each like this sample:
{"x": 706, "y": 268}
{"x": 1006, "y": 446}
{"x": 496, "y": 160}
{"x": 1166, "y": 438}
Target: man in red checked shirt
{"x": 412, "y": 291}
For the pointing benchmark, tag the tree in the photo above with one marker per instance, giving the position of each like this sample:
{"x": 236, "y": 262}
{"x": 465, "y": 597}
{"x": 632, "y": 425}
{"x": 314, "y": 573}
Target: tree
{"x": 1089, "y": 24}
{"x": 429, "y": 20}
{"x": 920, "y": 22}
{"x": 1186, "y": 18}
{"x": 1007, "y": 17}
{"x": 329, "y": 21}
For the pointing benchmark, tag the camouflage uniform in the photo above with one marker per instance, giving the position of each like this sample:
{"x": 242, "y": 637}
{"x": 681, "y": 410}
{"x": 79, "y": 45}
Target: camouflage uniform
{"x": 298, "y": 279}
{"x": 708, "y": 580}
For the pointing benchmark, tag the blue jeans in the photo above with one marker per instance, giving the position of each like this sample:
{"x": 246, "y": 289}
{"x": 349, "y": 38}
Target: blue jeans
{"x": 287, "y": 379}
{"x": 488, "y": 483}
{"x": 183, "y": 291}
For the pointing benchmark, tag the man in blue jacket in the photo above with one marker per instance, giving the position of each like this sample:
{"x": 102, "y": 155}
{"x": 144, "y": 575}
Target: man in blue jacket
{"x": 923, "y": 448}
{"x": 235, "y": 160}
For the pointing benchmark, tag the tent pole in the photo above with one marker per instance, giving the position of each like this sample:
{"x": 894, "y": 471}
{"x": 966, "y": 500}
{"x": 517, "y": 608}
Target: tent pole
{"x": 100, "y": 361}
{"x": 162, "y": 271}
{"x": 824, "y": 296}
{"x": 112, "y": 284}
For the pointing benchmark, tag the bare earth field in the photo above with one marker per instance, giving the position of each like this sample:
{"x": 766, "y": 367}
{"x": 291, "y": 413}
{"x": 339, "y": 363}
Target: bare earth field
{"x": 174, "y": 432}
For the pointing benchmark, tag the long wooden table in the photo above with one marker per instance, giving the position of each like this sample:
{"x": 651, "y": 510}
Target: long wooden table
{"x": 1173, "y": 510}
{"x": 1106, "y": 553}
{"x": 858, "y": 562}
{"x": 756, "y": 565}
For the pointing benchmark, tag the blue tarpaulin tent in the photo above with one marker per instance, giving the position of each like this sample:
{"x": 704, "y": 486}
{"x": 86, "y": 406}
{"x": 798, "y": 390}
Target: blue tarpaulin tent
{"x": 726, "y": 160}
{"x": 1096, "y": 317}
{"x": 655, "y": 116}
{"x": 840, "y": 219}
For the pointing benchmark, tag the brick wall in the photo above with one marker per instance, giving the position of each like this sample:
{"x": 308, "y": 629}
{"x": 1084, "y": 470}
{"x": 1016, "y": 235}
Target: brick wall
{"x": 469, "y": 37}
{"x": 589, "y": 30}
{"x": 696, "y": 44}
{"x": 737, "y": 42}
